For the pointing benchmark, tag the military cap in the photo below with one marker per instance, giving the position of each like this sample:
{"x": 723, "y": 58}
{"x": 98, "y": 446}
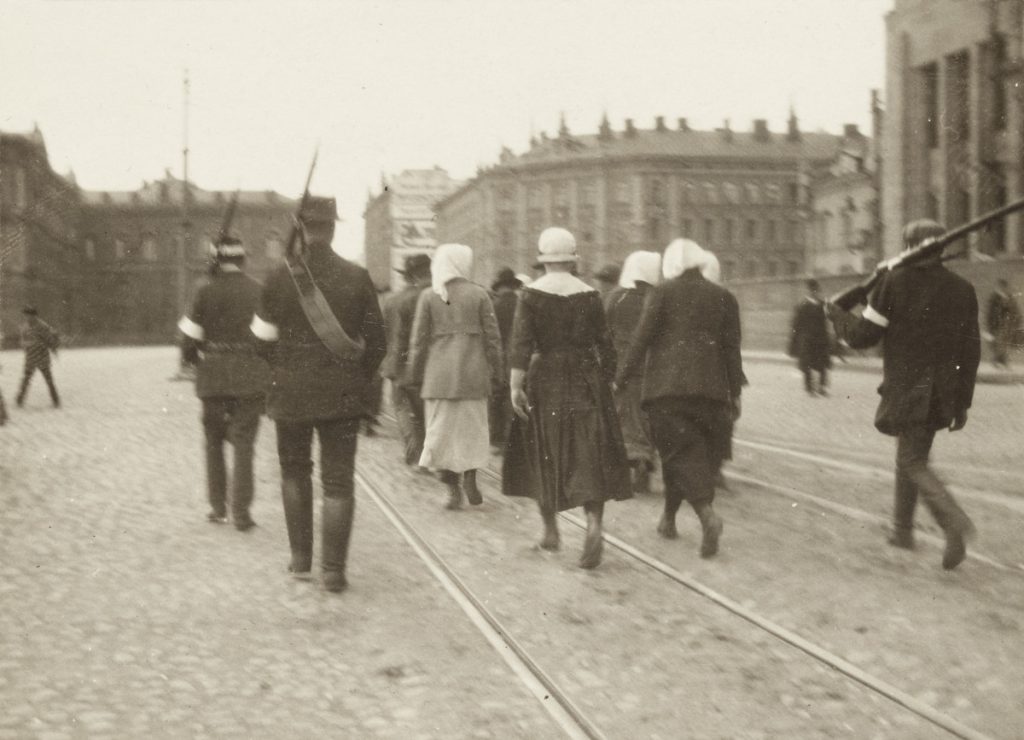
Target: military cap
{"x": 319, "y": 209}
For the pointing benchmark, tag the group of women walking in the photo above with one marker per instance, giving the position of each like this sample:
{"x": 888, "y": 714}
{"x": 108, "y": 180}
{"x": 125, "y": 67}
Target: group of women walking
{"x": 577, "y": 437}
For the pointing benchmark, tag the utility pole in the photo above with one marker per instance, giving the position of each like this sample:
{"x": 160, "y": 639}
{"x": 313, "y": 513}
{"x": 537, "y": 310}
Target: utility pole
{"x": 184, "y": 243}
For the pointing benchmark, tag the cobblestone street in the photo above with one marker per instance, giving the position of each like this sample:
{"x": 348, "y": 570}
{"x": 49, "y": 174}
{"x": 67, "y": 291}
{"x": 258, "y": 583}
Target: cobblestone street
{"x": 125, "y": 614}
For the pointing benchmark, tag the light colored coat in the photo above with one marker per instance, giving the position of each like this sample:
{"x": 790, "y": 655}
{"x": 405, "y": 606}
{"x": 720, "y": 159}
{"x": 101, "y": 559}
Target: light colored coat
{"x": 455, "y": 352}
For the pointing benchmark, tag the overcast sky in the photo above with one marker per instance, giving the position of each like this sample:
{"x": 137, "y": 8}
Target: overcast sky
{"x": 385, "y": 86}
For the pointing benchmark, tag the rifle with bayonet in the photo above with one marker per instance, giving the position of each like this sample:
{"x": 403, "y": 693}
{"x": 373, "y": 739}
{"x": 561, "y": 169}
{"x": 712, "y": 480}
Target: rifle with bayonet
{"x": 858, "y": 294}
{"x": 296, "y": 234}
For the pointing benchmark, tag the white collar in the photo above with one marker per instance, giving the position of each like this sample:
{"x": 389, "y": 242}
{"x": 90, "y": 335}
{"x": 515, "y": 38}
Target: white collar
{"x": 560, "y": 283}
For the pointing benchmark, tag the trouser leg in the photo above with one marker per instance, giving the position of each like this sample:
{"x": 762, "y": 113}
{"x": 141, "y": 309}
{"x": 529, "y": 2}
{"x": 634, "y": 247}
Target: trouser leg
{"x": 215, "y": 428}
{"x": 823, "y": 381}
{"x": 808, "y": 378}
{"x": 419, "y": 422}
{"x": 243, "y": 427}
{"x": 338, "y": 439}
{"x": 403, "y": 420}
{"x": 294, "y": 443}
{"x": 912, "y": 450}
{"x": 26, "y": 379}
{"x": 48, "y": 377}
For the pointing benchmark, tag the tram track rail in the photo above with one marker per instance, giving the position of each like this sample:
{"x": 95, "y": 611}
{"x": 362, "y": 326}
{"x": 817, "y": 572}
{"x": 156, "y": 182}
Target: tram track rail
{"x": 569, "y": 717}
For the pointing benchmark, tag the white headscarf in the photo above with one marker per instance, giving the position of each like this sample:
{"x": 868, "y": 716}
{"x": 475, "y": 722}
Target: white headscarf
{"x": 643, "y": 266}
{"x": 450, "y": 261}
{"x": 681, "y": 255}
{"x": 711, "y": 270}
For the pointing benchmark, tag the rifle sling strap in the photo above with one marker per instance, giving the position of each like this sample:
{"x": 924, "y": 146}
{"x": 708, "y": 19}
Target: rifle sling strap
{"x": 320, "y": 316}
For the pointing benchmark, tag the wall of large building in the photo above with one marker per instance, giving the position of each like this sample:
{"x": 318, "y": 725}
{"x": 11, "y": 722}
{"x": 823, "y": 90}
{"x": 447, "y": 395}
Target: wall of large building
{"x": 953, "y": 142}
{"x": 744, "y": 194}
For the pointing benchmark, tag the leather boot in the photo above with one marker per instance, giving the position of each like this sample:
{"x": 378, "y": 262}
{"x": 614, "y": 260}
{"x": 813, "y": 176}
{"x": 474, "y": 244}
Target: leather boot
{"x": 550, "y": 540}
{"x": 451, "y": 480}
{"x": 469, "y": 485}
{"x": 712, "y": 525}
{"x": 335, "y": 533}
{"x": 297, "y": 496}
{"x": 902, "y": 538}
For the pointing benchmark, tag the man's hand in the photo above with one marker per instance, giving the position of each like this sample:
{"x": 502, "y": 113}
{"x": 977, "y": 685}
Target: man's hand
{"x": 959, "y": 421}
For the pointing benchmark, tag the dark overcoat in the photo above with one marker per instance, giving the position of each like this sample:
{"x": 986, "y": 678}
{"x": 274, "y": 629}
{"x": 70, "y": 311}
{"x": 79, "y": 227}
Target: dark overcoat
{"x": 308, "y": 382}
{"x": 809, "y": 340}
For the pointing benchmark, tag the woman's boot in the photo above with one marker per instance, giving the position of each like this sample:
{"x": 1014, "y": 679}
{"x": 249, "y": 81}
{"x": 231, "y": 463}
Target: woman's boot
{"x": 712, "y": 526}
{"x": 593, "y": 543}
{"x": 472, "y": 492}
{"x": 550, "y": 540}
{"x": 451, "y": 479}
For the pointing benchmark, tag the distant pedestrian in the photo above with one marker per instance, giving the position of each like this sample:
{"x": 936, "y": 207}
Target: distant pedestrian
{"x": 688, "y": 342}
{"x": 928, "y": 318}
{"x": 39, "y": 340}
{"x": 623, "y": 306}
{"x": 231, "y": 379}
{"x": 320, "y": 373}
{"x": 504, "y": 296}
{"x": 1003, "y": 323}
{"x": 565, "y": 448}
{"x": 809, "y": 341}
{"x": 456, "y": 362}
{"x": 399, "y": 312}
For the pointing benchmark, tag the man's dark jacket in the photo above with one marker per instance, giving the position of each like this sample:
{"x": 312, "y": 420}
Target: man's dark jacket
{"x": 689, "y": 333}
{"x": 307, "y": 381}
{"x": 928, "y": 317}
{"x": 399, "y": 312}
{"x": 809, "y": 342}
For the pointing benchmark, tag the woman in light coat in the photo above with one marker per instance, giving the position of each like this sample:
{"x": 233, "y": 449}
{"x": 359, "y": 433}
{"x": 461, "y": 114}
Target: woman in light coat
{"x": 455, "y": 359}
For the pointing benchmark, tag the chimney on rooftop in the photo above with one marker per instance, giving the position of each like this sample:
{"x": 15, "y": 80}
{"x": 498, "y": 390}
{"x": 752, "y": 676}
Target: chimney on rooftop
{"x": 726, "y": 130}
{"x": 659, "y": 124}
{"x": 793, "y": 130}
{"x": 604, "y": 131}
{"x": 761, "y": 132}
{"x": 684, "y": 125}
{"x": 630, "y": 128}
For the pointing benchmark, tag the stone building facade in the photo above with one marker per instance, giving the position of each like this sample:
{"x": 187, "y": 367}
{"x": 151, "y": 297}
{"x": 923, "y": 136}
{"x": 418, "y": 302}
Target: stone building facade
{"x": 743, "y": 194}
{"x": 953, "y": 144}
{"x": 114, "y": 267}
{"x": 39, "y": 255}
{"x": 143, "y": 257}
{"x": 399, "y": 221}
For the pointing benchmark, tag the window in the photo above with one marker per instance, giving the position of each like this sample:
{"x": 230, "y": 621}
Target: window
{"x": 753, "y": 193}
{"x": 731, "y": 192}
{"x": 119, "y": 249}
{"x": 730, "y": 231}
{"x": 750, "y": 233}
{"x": 90, "y": 249}
{"x": 773, "y": 232}
{"x": 149, "y": 248}
{"x": 930, "y": 84}
{"x": 792, "y": 192}
{"x": 773, "y": 193}
{"x": 710, "y": 192}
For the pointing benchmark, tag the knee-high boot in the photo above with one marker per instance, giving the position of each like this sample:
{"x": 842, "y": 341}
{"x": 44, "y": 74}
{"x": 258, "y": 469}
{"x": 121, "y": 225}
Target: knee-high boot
{"x": 336, "y": 531}
{"x": 297, "y": 496}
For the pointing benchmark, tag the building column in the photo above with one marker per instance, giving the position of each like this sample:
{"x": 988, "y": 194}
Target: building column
{"x": 674, "y": 226}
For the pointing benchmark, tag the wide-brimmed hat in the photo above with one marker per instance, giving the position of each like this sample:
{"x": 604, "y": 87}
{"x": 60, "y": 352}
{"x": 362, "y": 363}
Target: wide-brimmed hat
{"x": 319, "y": 209}
{"x": 506, "y": 277}
{"x": 556, "y": 245}
{"x": 415, "y": 265}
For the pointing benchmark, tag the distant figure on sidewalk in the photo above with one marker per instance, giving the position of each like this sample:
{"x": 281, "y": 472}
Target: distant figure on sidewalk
{"x": 565, "y": 448}
{"x": 623, "y": 306}
{"x": 809, "y": 340}
{"x": 455, "y": 361}
{"x": 39, "y": 340}
{"x": 399, "y": 313}
{"x": 315, "y": 388}
{"x": 1003, "y": 323}
{"x": 928, "y": 317}
{"x": 689, "y": 343}
{"x": 504, "y": 297}
{"x": 231, "y": 379}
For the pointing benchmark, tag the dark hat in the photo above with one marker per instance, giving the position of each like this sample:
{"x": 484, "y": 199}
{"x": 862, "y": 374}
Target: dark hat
{"x": 415, "y": 264}
{"x": 609, "y": 274}
{"x": 319, "y": 209}
{"x": 506, "y": 277}
{"x": 30, "y": 311}
{"x": 813, "y": 285}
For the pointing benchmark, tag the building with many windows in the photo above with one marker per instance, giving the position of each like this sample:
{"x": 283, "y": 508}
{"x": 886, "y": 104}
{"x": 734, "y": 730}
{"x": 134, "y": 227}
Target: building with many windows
{"x": 743, "y": 194}
{"x": 120, "y": 267}
{"x": 953, "y": 143}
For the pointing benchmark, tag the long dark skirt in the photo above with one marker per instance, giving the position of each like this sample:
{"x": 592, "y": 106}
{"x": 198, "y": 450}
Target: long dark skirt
{"x": 570, "y": 452}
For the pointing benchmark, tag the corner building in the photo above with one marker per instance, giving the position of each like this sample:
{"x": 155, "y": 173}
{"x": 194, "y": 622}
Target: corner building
{"x": 745, "y": 195}
{"x": 953, "y": 141}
